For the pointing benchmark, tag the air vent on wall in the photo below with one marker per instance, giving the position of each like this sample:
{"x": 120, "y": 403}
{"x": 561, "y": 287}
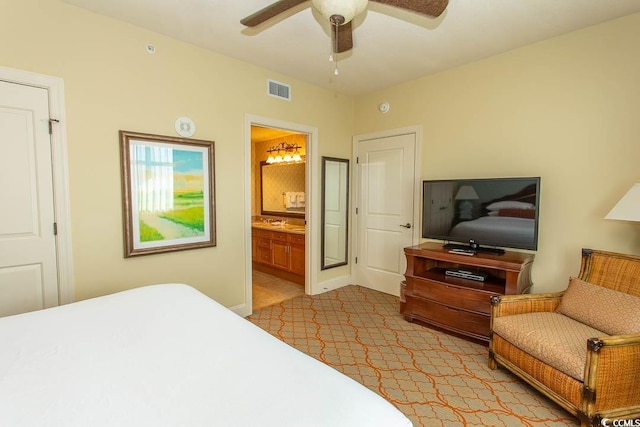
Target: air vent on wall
{"x": 279, "y": 90}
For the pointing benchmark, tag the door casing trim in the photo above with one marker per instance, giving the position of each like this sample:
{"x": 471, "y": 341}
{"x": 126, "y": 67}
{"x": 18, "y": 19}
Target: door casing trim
{"x": 417, "y": 193}
{"x": 312, "y": 208}
{"x": 59, "y": 163}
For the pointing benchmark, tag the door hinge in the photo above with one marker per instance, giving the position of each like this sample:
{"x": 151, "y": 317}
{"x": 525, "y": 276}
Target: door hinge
{"x": 356, "y": 260}
{"x": 356, "y": 211}
{"x": 55, "y": 228}
{"x": 51, "y": 125}
{"x": 357, "y": 160}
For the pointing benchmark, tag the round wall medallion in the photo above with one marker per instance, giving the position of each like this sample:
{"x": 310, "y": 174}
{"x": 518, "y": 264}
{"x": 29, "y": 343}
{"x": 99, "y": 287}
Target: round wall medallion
{"x": 384, "y": 107}
{"x": 185, "y": 127}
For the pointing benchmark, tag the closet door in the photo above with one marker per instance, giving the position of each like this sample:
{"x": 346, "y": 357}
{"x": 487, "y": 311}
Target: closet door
{"x": 28, "y": 268}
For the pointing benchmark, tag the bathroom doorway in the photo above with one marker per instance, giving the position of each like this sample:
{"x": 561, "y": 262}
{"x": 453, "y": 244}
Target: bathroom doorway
{"x": 279, "y": 250}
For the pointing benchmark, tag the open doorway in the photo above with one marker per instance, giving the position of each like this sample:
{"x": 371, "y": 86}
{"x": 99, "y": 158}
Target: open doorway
{"x": 278, "y": 215}
{"x": 312, "y": 208}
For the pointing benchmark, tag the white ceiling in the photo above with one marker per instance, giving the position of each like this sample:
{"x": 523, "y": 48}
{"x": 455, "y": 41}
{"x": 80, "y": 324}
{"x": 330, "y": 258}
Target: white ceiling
{"x": 390, "y": 45}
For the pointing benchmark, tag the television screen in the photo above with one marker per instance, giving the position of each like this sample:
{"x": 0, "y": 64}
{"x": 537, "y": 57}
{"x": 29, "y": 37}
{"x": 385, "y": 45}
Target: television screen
{"x": 499, "y": 212}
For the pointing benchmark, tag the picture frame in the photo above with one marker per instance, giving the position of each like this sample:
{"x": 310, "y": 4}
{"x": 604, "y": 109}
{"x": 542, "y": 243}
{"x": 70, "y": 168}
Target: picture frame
{"x": 168, "y": 193}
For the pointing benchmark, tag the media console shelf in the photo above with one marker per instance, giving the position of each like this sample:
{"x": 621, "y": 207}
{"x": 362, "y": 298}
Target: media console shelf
{"x": 455, "y": 304}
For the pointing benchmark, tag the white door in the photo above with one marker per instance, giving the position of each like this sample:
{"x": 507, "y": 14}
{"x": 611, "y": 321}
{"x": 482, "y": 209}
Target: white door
{"x": 28, "y": 269}
{"x": 385, "y": 216}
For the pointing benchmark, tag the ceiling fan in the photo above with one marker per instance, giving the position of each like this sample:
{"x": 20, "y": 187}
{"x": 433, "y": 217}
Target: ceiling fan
{"x": 341, "y": 12}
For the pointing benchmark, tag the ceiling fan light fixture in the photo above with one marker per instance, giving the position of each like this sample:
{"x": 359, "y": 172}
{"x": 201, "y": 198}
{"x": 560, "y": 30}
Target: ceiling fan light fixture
{"x": 340, "y": 13}
{"x": 345, "y": 8}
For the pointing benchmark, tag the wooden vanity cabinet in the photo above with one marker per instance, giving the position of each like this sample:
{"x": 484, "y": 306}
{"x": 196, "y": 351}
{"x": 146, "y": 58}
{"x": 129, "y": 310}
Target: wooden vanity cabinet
{"x": 274, "y": 251}
{"x": 261, "y": 246}
{"x": 460, "y": 305}
{"x": 296, "y": 253}
{"x": 280, "y": 254}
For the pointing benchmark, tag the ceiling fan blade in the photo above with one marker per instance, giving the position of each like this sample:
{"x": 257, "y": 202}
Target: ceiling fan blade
{"x": 269, "y": 12}
{"x": 345, "y": 38}
{"x": 432, "y": 8}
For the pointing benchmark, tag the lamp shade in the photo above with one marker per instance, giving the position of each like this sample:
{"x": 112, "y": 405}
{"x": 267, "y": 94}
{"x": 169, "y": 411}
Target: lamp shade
{"x": 345, "y": 8}
{"x": 628, "y": 208}
{"x": 467, "y": 192}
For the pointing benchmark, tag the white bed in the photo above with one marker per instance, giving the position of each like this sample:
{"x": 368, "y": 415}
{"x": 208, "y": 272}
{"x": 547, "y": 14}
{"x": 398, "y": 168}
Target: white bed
{"x": 167, "y": 355}
{"x": 509, "y": 231}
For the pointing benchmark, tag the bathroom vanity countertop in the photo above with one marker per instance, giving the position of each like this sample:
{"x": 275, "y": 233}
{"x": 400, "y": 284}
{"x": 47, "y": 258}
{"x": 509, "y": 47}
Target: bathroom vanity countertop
{"x": 287, "y": 228}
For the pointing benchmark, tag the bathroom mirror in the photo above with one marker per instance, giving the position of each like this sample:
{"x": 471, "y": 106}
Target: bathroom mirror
{"x": 282, "y": 189}
{"x": 335, "y": 212}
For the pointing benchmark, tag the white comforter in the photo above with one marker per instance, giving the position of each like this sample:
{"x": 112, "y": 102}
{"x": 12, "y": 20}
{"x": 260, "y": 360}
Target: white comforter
{"x": 166, "y": 355}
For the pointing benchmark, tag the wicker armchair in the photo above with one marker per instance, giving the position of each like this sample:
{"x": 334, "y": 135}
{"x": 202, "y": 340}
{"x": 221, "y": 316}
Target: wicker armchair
{"x": 610, "y": 387}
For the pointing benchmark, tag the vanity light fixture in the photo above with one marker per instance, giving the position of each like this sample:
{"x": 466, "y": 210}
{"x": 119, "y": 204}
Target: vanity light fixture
{"x": 284, "y": 153}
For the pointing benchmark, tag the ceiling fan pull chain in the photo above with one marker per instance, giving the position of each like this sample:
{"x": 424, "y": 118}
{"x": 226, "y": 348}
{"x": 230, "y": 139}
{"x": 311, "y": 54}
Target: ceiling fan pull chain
{"x": 336, "y": 21}
{"x": 331, "y": 57}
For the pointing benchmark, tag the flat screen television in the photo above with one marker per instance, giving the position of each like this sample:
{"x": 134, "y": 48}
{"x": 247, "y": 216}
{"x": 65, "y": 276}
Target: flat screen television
{"x": 479, "y": 214}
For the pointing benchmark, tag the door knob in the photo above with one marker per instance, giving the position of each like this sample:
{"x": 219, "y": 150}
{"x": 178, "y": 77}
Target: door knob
{"x": 407, "y": 225}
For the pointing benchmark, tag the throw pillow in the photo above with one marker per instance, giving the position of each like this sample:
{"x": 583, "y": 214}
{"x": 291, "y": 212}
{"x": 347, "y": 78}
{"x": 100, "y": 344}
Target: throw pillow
{"x": 612, "y": 312}
{"x": 509, "y": 204}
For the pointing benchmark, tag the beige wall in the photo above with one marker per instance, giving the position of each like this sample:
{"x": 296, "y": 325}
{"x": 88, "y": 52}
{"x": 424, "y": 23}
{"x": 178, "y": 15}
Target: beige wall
{"x": 566, "y": 109}
{"x": 111, "y": 83}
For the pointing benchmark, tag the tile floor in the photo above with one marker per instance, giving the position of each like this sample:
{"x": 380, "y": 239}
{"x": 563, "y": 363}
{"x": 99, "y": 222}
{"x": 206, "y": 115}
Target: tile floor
{"x": 269, "y": 290}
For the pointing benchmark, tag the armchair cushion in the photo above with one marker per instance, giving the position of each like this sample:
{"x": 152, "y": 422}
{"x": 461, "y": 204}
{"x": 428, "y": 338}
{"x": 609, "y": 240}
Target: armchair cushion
{"x": 550, "y": 337}
{"x": 613, "y": 312}
{"x": 548, "y": 345}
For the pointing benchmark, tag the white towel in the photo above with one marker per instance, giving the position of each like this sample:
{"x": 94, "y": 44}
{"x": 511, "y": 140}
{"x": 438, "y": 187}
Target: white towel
{"x": 291, "y": 199}
{"x": 300, "y": 199}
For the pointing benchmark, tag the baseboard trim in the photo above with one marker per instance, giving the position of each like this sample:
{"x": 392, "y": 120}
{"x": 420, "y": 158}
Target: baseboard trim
{"x": 330, "y": 285}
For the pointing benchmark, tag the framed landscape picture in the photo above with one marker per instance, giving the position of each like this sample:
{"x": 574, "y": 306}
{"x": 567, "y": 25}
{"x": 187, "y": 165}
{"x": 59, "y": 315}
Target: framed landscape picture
{"x": 168, "y": 189}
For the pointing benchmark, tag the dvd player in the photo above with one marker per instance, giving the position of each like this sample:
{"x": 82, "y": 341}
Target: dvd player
{"x": 467, "y": 274}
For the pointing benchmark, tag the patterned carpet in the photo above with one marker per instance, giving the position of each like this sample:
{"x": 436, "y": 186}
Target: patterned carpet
{"x": 435, "y": 379}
